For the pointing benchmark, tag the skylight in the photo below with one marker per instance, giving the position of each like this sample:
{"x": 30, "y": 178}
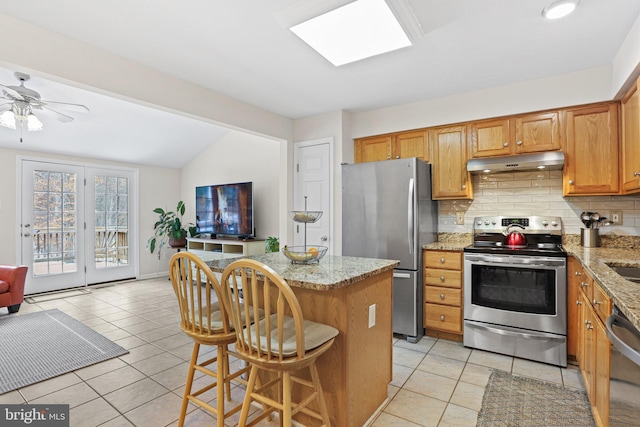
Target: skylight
{"x": 356, "y": 31}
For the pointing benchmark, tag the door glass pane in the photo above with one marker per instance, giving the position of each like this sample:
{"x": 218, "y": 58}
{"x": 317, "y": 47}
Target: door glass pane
{"x": 514, "y": 289}
{"x": 111, "y": 221}
{"x": 54, "y": 222}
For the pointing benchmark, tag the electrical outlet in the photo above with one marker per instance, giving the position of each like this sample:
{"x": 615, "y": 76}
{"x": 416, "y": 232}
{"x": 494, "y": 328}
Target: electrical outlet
{"x": 372, "y": 315}
{"x": 459, "y": 218}
{"x": 616, "y": 217}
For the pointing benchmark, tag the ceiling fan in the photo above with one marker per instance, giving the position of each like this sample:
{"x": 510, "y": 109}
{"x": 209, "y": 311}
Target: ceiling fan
{"x": 24, "y": 106}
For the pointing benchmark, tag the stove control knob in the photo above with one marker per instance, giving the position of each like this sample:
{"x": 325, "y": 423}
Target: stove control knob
{"x": 554, "y": 224}
{"x": 479, "y": 223}
{"x": 493, "y": 222}
{"x": 545, "y": 222}
{"x": 487, "y": 222}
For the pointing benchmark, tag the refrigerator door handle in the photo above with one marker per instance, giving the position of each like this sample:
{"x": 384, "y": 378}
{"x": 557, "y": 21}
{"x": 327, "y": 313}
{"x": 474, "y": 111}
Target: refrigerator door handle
{"x": 402, "y": 275}
{"x": 410, "y": 214}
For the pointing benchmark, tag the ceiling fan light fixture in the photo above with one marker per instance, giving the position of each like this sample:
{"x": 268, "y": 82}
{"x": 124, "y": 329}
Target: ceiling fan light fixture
{"x": 559, "y": 9}
{"x": 33, "y": 123}
{"x": 8, "y": 119}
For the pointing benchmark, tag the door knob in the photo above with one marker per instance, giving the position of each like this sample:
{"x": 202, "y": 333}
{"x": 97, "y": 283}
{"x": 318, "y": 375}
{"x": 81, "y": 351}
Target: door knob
{"x": 27, "y": 234}
{"x": 324, "y": 238}
{"x": 27, "y": 225}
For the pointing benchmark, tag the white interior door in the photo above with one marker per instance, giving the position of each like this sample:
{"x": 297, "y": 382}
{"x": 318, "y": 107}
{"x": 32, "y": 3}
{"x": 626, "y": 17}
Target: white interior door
{"x": 111, "y": 226}
{"x": 313, "y": 184}
{"x": 51, "y": 225}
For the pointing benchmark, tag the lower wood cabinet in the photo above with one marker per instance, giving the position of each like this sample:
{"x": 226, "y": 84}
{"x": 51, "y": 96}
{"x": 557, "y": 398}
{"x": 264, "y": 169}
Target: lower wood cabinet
{"x": 592, "y": 349}
{"x": 443, "y": 292}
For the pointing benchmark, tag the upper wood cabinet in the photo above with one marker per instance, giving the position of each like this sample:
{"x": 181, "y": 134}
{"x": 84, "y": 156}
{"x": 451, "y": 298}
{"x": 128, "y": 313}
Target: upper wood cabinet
{"x": 631, "y": 140}
{"x": 517, "y": 135}
{"x": 450, "y": 179}
{"x": 373, "y": 149}
{"x": 591, "y": 155}
{"x": 398, "y": 146}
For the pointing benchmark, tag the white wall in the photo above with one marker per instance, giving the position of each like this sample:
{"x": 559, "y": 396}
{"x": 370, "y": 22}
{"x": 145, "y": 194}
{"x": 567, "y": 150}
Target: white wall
{"x": 240, "y": 157}
{"x": 565, "y": 90}
{"x": 158, "y": 187}
{"x": 626, "y": 63}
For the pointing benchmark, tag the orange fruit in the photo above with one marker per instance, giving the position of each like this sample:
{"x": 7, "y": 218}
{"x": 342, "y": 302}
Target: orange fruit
{"x": 313, "y": 251}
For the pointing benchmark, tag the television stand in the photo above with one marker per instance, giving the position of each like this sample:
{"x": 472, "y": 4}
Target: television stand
{"x": 215, "y": 249}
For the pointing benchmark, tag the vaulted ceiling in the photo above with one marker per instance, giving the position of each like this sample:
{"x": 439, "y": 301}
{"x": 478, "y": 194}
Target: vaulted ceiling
{"x": 244, "y": 50}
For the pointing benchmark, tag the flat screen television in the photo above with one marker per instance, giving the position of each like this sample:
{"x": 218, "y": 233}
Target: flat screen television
{"x": 225, "y": 210}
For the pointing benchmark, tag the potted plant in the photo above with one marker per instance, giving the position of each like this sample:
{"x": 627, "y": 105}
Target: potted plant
{"x": 170, "y": 229}
{"x": 272, "y": 244}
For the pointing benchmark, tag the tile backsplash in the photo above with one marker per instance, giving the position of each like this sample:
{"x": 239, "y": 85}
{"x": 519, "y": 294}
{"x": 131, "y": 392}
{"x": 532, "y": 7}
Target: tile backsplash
{"x": 536, "y": 193}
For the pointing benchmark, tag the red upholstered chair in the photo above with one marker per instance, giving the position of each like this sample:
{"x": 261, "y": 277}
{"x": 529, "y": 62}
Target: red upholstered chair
{"x": 12, "y": 286}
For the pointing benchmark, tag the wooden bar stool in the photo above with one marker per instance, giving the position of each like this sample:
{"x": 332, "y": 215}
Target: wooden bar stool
{"x": 203, "y": 318}
{"x": 281, "y": 343}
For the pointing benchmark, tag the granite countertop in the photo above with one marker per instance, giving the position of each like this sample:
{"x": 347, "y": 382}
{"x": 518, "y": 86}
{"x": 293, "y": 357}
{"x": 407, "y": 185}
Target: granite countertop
{"x": 623, "y": 293}
{"x": 332, "y": 272}
{"x": 450, "y": 242}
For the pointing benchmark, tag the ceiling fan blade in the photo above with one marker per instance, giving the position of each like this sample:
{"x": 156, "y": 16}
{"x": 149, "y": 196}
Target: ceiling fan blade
{"x": 55, "y": 114}
{"x": 12, "y": 92}
{"x": 76, "y": 108}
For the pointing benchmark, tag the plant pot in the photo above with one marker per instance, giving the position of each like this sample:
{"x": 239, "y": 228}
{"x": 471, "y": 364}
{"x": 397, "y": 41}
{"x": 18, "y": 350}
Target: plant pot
{"x": 177, "y": 243}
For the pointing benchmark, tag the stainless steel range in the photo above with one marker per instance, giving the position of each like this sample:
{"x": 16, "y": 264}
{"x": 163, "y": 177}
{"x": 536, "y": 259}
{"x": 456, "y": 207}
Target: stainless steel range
{"x": 515, "y": 288}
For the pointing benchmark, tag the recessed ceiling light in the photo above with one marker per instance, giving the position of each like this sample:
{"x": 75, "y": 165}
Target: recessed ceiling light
{"x": 355, "y": 31}
{"x": 559, "y": 9}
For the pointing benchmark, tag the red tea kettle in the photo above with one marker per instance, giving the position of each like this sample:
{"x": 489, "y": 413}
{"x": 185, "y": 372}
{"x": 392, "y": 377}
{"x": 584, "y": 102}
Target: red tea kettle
{"x": 514, "y": 238}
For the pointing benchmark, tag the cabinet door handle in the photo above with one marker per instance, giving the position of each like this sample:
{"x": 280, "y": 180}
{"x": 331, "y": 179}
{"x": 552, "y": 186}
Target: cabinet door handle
{"x": 442, "y": 278}
{"x": 596, "y": 302}
{"x": 636, "y": 174}
{"x": 442, "y": 260}
{"x": 506, "y": 144}
{"x": 464, "y": 187}
{"x": 584, "y": 285}
{"x": 519, "y": 143}
{"x": 578, "y": 273}
{"x": 571, "y": 182}
{"x": 441, "y": 296}
{"x": 578, "y": 302}
{"x": 442, "y": 317}
{"x": 397, "y": 157}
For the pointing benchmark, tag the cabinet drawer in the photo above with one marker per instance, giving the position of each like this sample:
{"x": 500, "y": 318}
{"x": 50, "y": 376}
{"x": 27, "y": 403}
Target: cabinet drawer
{"x": 446, "y": 278}
{"x": 445, "y": 260}
{"x": 444, "y": 318}
{"x": 586, "y": 286}
{"x": 445, "y": 296}
{"x": 601, "y": 303}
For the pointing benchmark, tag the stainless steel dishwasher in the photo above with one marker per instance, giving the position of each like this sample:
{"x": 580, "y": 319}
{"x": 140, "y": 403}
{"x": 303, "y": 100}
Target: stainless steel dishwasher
{"x": 624, "y": 385}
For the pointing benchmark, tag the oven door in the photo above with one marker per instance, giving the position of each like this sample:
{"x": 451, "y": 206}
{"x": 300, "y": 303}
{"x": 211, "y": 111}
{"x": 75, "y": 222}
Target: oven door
{"x": 528, "y": 292}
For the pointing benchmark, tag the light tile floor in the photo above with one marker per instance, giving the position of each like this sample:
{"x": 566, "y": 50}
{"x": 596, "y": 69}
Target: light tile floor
{"x": 435, "y": 382}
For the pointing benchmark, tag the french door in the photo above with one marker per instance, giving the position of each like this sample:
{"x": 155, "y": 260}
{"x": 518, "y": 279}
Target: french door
{"x": 75, "y": 225}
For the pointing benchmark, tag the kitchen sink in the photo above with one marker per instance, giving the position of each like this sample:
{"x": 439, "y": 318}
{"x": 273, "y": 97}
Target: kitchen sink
{"x": 632, "y": 274}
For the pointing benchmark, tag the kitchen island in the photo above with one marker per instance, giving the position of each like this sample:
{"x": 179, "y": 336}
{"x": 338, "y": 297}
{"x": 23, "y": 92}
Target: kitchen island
{"x": 339, "y": 291}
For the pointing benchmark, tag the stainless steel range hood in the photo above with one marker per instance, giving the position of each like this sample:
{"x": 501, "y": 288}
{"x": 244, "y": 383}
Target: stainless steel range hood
{"x": 550, "y": 160}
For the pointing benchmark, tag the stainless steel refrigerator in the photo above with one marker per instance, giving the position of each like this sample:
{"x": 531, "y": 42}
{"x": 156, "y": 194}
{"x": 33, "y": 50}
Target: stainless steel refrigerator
{"x": 387, "y": 213}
